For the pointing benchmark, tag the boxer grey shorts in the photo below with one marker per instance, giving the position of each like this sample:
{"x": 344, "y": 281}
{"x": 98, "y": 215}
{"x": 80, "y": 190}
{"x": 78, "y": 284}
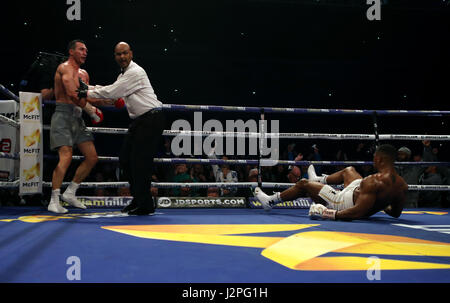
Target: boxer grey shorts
{"x": 67, "y": 127}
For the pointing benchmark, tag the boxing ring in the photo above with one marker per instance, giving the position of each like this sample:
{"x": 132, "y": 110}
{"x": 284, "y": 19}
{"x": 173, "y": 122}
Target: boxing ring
{"x": 229, "y": 245}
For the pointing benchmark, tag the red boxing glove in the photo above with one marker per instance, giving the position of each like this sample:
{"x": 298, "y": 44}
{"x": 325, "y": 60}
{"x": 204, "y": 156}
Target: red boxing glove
{"x": 119, "y": 103}
{"x": 97, "y": 116}
{"x": 93, "y": 112}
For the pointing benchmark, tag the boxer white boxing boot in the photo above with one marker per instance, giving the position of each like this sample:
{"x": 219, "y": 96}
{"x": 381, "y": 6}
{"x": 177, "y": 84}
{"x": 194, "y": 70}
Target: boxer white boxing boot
{"x": 266, "y": 200}
{"x": 313, "y": 176}
{"x": 54, "y": 205}
{"x": 69, "y": 196}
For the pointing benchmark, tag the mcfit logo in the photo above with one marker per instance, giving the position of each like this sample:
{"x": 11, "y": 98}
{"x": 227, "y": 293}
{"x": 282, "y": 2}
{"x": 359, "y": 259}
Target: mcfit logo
{"x": 32, "y": 172}
{"x": 31, "y": 105}
{"x": 306, "y": 250}
{"x": 33, "y": 138}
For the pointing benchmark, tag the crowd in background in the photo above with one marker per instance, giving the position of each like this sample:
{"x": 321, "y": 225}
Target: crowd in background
{"x": 187, "y": 173}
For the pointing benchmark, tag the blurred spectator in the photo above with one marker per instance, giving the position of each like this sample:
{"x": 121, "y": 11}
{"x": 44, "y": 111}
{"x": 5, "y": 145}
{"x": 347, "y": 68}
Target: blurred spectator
{"x": 340, "y": 156}
{"x": 166, "y": 171}
{"x": 197, "y": 175}
{"x": 181, "y": 176}
{"x": 412, "y": 173}
{"x": 304, "y": 172}
{"x": 290, "y": 153}
{"x": 430, "y": 198}
{"x": 294, "y": 174}
{"x": 213, "y": 192}
{"x": 315, "y": 156}
{"x": 124, "y": 192}
{"x": 280, "y": 174}
{"x": 253, "y": 175}
{"x": 166, "y": 151}
{"x": 303, "y": 168}
{"x": 417, "y": 158}
{"x": 243, "y": 171}
{"x": 361, "y": 153}
{"x": 224, "y": 174}
{"x": 267, "y": 175}
{"x": 100, "y": 192}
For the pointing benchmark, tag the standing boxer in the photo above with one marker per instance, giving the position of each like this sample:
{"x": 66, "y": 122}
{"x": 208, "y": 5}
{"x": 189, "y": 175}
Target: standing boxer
{"x": 68, "y": 128}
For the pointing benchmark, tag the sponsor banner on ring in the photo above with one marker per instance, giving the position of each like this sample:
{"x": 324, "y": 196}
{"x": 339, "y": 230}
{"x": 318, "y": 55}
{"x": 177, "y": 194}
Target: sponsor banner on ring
{"x": 94, "y": 201}
{"x": 9, "y": 168}
{"x": 31, "y": 147}
{"x": 202, "y": 202}
{"x": 167, "y": 202}
{"x": 297, "y": 203}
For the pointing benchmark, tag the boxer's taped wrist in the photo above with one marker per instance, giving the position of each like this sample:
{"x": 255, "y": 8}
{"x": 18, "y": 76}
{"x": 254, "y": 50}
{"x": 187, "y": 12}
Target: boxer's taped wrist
{"x": 329, "y": 214}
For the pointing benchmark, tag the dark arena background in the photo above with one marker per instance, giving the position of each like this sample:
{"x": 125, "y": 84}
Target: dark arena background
{"x": 314, "y": 54}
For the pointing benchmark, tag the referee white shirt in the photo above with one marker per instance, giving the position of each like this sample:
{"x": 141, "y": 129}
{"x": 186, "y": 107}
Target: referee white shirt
{"x": 134, "y": 87}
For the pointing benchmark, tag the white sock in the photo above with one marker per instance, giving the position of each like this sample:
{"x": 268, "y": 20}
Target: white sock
{"x": 72, "y": 188}
{"x": 276, "y": 198}
{"x": 323, "y": 179}
{"x": 55, "y": 195}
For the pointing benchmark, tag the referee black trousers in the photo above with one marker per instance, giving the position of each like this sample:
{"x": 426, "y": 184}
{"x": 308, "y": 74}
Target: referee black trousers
{"x": 136, "y": 157}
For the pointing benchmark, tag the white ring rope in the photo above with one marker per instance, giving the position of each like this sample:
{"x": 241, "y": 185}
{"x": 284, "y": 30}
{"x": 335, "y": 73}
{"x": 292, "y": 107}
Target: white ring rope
{"x": 173, "y": 133}
{"x": 172, "y": 107}
{"x": 220, "y": 108}
{"x": 247, "y": 185}
{"x": 306, "y": 135}
{"x": 9, "y": 121}
{"x": 10, "y": 185}
{"x": 9, "y": 156}
{"x": 264, "y": 162}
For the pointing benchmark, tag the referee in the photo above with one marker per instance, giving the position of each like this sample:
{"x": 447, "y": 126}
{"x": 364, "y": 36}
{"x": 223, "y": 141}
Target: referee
{"x": 144, "y": 133}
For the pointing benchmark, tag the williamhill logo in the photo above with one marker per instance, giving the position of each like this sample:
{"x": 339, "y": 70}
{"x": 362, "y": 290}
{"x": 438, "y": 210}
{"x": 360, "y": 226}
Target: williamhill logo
{"x": 298, "y": 203}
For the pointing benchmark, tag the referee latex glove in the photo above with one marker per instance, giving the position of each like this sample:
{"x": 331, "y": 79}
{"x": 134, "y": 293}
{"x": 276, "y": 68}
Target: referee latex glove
{"x": 119, "y": 103}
